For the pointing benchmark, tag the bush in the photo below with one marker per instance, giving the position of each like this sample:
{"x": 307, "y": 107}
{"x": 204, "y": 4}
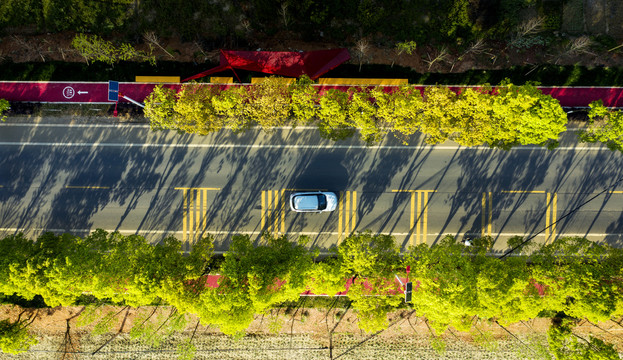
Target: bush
{"x": 4, "y": 106}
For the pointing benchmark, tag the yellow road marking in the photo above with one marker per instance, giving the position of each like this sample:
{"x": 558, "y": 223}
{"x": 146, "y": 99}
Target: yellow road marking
{"x": 190, "y": 188}
{"x": 205, "y": 208}
{"x": 273, "y": 211}
{"x": 269, "y": 204}
{"x": 552, "y": 200}
{"x": 354, "y": 220}
{"x": 412, "y": 218}
{"x": 612, "y": 192}
{"x": 86, "y": 187}
{"x": 276, "y": 211}
{"x": 490, "y": 227}
{"x": 184, "y": 214}
{"x": 425, "y": 220}
{"x": 263, "y": 206}
{"x": 487, "y": 218}
{"x": 524, "y": 191}
{"x": 340, "y": 214}
{"x": 347, "y": 206}
{"x": 554, "y": 213}
{"x": 484, "y": 207}
{"x": 418, "y": 216}
{"x": 194, "y": 211}
{"x": 283, "y": 211}
{"x": 347, "y": 214}
{"x": 547, "y": 219}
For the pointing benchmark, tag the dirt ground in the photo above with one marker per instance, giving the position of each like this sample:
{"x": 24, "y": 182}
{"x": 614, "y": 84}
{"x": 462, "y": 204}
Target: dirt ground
{"x": 317, "y": 330}
{"x": 47, "y": 47}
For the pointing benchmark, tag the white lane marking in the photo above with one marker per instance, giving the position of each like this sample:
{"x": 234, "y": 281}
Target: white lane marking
{"x": 75, "y": 125}
{"x": 273, "y": 146}
{"x": 333, "y": 233}
{"x": 143, "y": 125}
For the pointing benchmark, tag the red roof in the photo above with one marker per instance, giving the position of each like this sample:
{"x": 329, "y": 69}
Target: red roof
{"x": 284, "y": 63}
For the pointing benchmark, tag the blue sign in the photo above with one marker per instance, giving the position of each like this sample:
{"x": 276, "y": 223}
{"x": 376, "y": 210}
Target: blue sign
{"x": 113, "y": 90}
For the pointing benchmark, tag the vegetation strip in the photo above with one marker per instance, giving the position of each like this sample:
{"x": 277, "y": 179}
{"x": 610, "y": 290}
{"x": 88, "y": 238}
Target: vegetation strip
{"x": 502, "y": 117}
{"x": 453, "y": 283}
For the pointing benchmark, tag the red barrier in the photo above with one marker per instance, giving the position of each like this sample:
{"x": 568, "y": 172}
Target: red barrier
{"x": 96, "y": 92}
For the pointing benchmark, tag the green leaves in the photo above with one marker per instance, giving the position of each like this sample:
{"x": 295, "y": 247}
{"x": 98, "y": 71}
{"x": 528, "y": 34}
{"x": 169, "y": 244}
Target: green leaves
{"x": 159, "y": 108}
{"x": 4, "y": 106}
{"x": 94, "y": 48}
{"x": 604, "y": 126}
{"x": 14, "y": 337}
{"x": 503, "y": 117}
{"x": 568, "y": 346}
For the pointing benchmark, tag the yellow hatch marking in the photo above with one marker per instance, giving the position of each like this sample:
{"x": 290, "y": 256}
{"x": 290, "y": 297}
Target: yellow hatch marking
{"x": 273, "y": 207}
{"x": 418, "y": 216}
{"x": 487, "y": 217}
{"x": 347, "y": 214}
{"x": 194, "y": 212}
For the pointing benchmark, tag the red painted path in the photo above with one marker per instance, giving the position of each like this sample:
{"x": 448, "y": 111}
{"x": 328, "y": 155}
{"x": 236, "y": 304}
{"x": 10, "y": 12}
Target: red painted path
{"x": 97, "y": 92}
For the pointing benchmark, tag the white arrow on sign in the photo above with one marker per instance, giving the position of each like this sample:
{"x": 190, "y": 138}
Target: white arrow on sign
{"x": 82, "y": 92}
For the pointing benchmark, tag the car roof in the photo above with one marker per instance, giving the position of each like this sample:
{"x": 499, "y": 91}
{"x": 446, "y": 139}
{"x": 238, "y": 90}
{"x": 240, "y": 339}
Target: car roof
{"x": 306, "y": 201}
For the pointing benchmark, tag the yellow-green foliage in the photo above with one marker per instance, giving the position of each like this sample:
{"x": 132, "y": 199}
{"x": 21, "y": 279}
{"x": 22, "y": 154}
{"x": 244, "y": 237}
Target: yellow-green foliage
{"x": 332, "y": 116}
{"x": 4, "y": 106}
{"x": 194, "y": 111}
{"x": 564, "y": 345}
{"x": 503, "y": 117}
{"x": 230, "y": 105}
{"x": 436, "y": 117}
{"x": 159, "y": 108}
{"x": 372, "y": 308}
{"x": 525, "y": 116}
{"x": 268, "y": 103}
{"x": 399, "y": 110}
{"x": 94, "y": 48}
{"x": 605, "y": 126}
{"x": 14, "y": 337}
{"x": 362, "y": 115}
{"x": 303, "y": 100}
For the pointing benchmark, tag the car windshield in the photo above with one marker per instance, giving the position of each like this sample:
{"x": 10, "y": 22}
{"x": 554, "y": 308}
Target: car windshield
{"x": 322, "y": 202}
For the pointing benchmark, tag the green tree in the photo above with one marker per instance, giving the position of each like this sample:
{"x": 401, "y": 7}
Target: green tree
{"x": 563, "y": 344}
{"x": 4, "y": 106}
{"x": 446, "y": 280}
{"x": 303, "y": 99}
{"x": 268, "y": 103}
{"x": 94, "y": 48}
{"x": 194, "y": 111}
{"x": 333, "y": 119}
{"x": 15, "y": 250}
{"x": 14, "y": 337}
{"x": 604, "y": 126}
{"x": 254, "y": 278}
{"x": 400, "y": 109}
{"x": 580, "y": 277}
{"x": 472, "y": 117}
{"x": 230, "y": 105}
{"x": 437, "y": 115}
{"x": 160, "y": 108}
{"x": 372, "y": 261}
{"x": 362, "y": 114}
{"x": 523, "y": 115}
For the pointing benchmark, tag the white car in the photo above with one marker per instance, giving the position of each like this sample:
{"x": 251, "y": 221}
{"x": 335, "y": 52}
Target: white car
{"x": 316, "y": 201}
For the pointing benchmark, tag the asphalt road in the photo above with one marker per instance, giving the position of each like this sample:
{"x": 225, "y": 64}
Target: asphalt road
{"x": 77, "y": 178}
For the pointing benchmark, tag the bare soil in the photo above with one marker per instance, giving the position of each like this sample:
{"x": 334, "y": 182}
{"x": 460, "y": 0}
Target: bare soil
{"x": 491, "y": 55}
{"x": 317, "y": 330}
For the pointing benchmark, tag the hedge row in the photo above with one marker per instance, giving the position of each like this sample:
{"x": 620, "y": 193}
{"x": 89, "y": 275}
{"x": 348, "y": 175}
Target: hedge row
{"x": 453, "y": 283}
{"x": 503, "y": 117}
